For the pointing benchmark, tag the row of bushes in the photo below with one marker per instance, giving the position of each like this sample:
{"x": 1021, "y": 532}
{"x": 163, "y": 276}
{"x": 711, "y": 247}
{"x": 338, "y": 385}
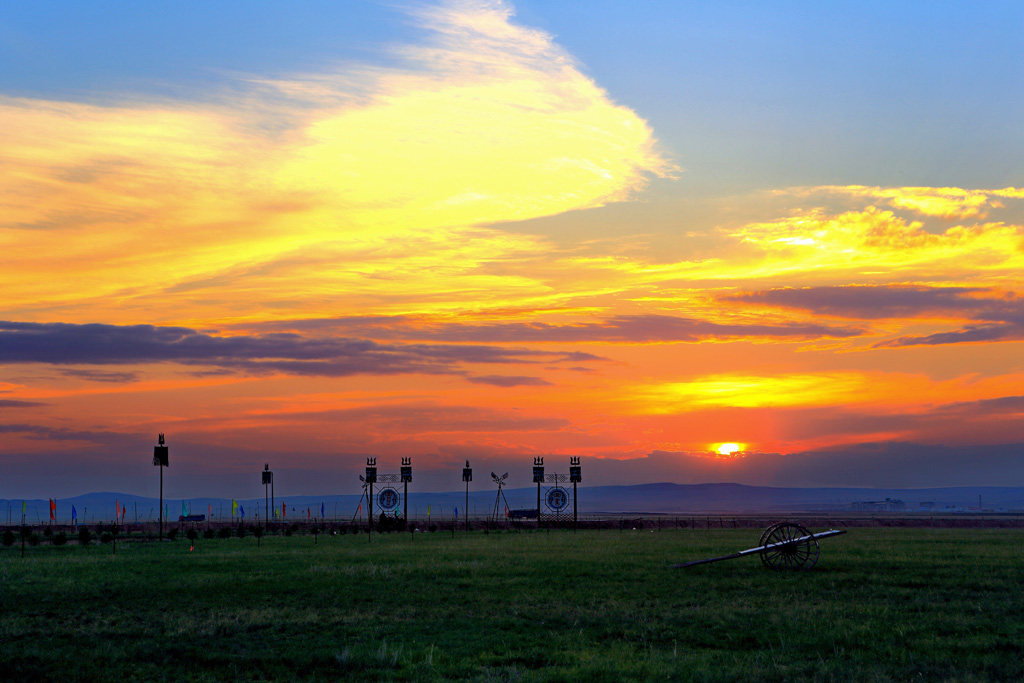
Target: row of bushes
{"x": 107, "y": 533}
{"x": 85, "y": 537}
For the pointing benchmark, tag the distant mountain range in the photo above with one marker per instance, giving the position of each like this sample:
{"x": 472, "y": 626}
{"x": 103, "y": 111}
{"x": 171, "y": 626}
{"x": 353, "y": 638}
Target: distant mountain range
{"x": 593, "y": 500}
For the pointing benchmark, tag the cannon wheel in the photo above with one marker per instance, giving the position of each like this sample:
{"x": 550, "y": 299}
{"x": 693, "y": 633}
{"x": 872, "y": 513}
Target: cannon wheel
{"x": 800, "y": 555}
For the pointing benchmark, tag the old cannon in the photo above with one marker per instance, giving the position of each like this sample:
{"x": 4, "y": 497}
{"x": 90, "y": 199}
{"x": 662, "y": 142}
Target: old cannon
{"x": 783, "y": 545}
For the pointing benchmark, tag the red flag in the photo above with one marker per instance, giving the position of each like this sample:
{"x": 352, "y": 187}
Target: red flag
{"x": 308, "y": 514}
{"x": 53, "y": 509}
{"x": 124, "y": 509}
{"x": 506, "y": 511}
{"x": 284, "y": 510}
{"x": 117, "y": 507}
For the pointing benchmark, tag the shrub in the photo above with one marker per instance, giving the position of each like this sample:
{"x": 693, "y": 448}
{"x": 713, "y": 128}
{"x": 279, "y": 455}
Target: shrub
{"x": 288, "y": 531}
{"x": 208, "y": 534}
{"x": 224, "y": 532}
{"x": 241, "y": 531}
{"x": 60, "y": 538}
{"x": 192, "y": 534}
{"x": 84, "y": 536}
{"x": 172, "y": 534}
{"x": 33, "y": 539}
{"x": 257, "y": 531}
{"x": 47, "y": 531}
{"x": 8, "y": 539}
{"x": 105, "y": 537}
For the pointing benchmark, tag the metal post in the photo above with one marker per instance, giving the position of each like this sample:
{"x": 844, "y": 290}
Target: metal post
{"x": 574, "y": 509}
{"x": 467, "y": 476}
{"x": 538, "y": 476}
{"x": 161, "y": 536}
{"x": 538, "y": 504}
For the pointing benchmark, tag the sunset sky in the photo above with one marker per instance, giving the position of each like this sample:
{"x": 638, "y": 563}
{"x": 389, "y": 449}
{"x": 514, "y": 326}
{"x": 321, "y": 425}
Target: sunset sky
{"x": 307, "y": 233}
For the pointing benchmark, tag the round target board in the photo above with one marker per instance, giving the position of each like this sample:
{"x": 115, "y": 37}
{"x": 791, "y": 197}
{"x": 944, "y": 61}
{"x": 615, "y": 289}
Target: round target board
{"x": 388, "y": 499}
{"x": 557, "y": 499}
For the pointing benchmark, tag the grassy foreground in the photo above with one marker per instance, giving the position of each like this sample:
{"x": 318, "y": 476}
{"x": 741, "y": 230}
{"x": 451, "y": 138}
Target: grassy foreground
{"x": 882, "y": 604}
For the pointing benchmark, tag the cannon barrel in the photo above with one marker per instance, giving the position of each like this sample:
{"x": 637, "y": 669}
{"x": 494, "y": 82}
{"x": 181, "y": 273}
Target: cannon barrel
{"x": 783, "y": 546}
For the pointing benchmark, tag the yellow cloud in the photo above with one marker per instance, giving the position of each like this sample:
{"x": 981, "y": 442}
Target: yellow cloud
{"x": 368, "y": 179}
{"x": 940, "y": 202}
{"x": 745, "y": 391}
{"x": 879, "y": 242}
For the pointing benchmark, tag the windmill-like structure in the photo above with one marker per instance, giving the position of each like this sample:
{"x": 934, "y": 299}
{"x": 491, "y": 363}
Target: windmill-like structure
{"x": 500, "y": 481}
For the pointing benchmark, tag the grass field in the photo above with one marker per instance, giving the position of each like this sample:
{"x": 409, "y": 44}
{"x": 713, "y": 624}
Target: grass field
{"x": 882, "y": 604}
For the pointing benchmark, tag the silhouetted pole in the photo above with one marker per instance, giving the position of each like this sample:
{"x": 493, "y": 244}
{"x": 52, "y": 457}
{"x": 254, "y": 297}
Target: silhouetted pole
{"x": 575, "y": 476}
{"x": 268, "y": 480}
{"x": 160, "y": 460}
{"x": 371, "y": 478}
{"x": 467, "y": 476}
{"x": 538, "y": 476}
{"x": 406, "y": 478}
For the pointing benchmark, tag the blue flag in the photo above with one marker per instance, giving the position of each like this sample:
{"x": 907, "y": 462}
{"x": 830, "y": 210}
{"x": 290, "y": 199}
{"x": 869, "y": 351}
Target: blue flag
{"x": 456, "y": 513}
{"x": 241, "y": 511}
{"x": 74, "y": 512}
{"x": 321, "y": 510}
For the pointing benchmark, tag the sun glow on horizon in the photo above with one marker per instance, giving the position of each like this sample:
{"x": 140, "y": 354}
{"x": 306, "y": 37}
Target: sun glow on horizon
{"x": 729, "y": 449}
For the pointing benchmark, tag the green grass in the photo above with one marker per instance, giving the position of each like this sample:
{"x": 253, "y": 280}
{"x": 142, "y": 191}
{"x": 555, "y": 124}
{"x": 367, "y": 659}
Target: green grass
{"x": 882, "y": 604}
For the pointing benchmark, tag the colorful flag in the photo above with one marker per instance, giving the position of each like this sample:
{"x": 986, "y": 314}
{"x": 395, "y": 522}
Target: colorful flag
{"x": 241, "y": 511}
{"x": 167, "y": 512}
{"x": 360, "y": 510}
{"x": 74, "y": 513}
{"x": 428, "y": 513}
{"x": 184, "y": 510}
{"x": 284, "y": 511}
{"x": 53, "y": 509}
{"x": 209, "y": 509}
{"x": 22, "y": 507}
{"x": 124, "y": 510}
{"x": 506, "y": 511}
{"x": 234, "y": 506}
{"x": 117, "y": 509}
{"x": 321, "y": 510}
{"x": 308, "y": 515}
{"x": 456, "y": 513}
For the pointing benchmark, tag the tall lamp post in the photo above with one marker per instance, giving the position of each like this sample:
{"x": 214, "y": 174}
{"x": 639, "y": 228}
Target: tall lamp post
{"x": 467, "y": 476}
{"x": 160, "y": 460}
{"x": 538, "y": 477}
{"x": 406, "y": 478}
{"x": 268, "y": 481}
{"x": 575, "y": 476}
{"x": 371, "y": 478}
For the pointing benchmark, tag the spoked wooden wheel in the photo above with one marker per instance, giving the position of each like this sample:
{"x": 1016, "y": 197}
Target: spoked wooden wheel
{"x": 793, "y": 547}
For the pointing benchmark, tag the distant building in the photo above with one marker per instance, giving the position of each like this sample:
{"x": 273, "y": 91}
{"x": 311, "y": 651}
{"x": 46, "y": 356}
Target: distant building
{"x": 887, "y": 505}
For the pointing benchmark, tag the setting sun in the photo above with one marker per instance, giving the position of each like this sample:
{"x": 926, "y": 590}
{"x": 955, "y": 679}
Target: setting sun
{"x": 728, "y": 449}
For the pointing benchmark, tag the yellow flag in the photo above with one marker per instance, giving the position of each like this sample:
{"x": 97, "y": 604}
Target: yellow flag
{"x": 234, "y": 506}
